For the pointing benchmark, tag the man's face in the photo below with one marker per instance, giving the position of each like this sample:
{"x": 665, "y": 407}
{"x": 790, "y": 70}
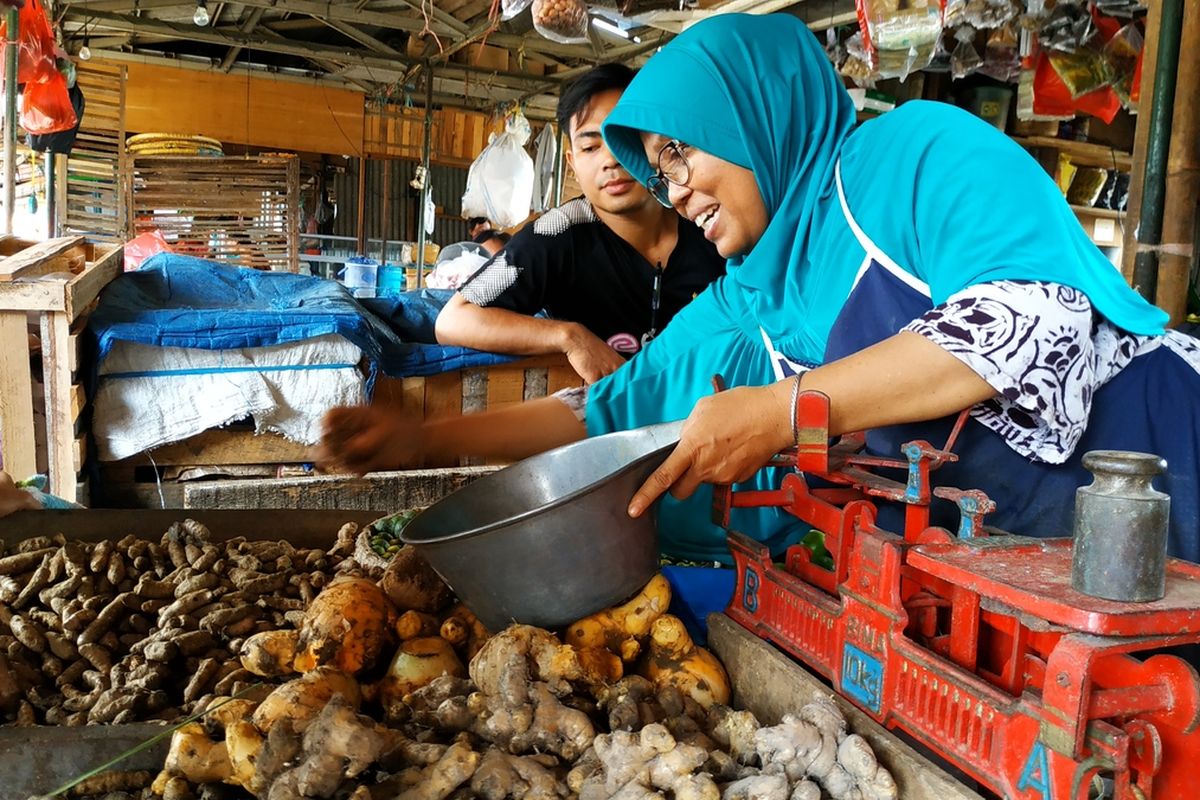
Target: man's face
{"x": 605, "y": 184}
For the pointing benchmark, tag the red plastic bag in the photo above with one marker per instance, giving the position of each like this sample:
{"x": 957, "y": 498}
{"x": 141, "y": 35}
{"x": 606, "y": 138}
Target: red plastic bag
{"x": 35, "y": 44}
{"x": 46, "y": 106}
{"x": 142, "y": 246}
{"x": 1052, "y": 98}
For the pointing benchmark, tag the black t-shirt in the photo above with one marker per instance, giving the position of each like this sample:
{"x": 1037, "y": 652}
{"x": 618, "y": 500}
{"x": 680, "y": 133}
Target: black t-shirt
{"x": 572, "y": 265}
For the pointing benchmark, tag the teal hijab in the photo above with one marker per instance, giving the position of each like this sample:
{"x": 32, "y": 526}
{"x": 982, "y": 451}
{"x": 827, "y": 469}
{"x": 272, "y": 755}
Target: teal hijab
{"x": 948, "y": 197}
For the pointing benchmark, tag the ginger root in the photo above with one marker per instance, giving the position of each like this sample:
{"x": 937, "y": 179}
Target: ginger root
{"x": 501, "y": 775}
{"x": 301, "y": 699}
{"x": 438, "y": 780}
{"x": 270, "y": 654}
{"x": 814, "y": 744}
{"x": 417, "y": 663}
{"x": 637, "y": 764}
{"x": 194, "y": 756}
{"x": 622, "y": 628}
{"x": 673, "y": 659}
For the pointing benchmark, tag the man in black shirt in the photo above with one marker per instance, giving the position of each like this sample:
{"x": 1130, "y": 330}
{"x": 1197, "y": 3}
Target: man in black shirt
{"x": 611, "y": 267}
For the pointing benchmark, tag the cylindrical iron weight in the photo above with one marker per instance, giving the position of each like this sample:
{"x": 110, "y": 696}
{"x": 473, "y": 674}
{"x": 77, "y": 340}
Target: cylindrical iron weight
{"x": 1121, "y": 524}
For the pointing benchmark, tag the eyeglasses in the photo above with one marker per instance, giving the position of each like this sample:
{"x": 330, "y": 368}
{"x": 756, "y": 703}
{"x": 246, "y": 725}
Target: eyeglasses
{"x": 673, "y": 168}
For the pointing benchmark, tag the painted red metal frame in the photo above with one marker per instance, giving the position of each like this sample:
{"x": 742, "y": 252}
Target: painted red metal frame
{"x": 974, "y": 645}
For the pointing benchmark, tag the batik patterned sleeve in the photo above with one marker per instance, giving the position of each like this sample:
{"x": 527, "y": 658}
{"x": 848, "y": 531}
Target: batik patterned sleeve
{"x": 1042, "y": 349}
{"x": 574, "y": 398}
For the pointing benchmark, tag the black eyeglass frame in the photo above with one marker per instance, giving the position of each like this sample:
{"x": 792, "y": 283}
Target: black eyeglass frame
{"x": 659, "y": 184}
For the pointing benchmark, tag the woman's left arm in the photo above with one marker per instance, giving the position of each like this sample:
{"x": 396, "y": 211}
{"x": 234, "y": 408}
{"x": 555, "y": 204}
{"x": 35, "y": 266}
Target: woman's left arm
{"x": 730, "y": 435}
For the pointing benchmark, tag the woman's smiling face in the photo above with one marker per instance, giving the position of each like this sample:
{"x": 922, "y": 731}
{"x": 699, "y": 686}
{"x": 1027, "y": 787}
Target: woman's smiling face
{"x": 720, "y": 197}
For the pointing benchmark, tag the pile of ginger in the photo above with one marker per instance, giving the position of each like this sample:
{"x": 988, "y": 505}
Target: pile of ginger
{"x": 624, "y": 705}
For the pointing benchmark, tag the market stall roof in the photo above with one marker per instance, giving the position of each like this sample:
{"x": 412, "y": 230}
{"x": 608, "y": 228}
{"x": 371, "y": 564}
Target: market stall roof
{"x": 380, "y": 46}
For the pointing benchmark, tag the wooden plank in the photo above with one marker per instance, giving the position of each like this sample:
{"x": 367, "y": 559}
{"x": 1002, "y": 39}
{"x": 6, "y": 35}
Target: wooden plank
{"x": 380, "y": 492}
{"x": 413, "y": 391}
{"x": 223, "y": 446}
{"x": 506, "y": 385}
{"x": 86, "y": 286}
{"x": 78, "y": 456}
{"x": 443, "y": 395}
{"x": 17, "y": 443}
{"x": 78, "y": 399}
{"x": 60, "y": 424}
{"x": 11, "y": 245}
{"x": 559, "y": 378}
{"x": 769, "y": 684}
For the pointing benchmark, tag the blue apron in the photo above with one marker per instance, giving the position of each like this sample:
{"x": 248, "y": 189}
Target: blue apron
{"x": 1149, "y": 406}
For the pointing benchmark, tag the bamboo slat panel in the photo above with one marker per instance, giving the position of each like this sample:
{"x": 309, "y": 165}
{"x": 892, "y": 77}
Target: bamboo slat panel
{"x": 243, "y": 210}
{"x": 90, "y": 190}
{"x": 392, "y": 131}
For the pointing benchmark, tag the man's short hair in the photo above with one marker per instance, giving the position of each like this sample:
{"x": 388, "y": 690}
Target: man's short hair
{"x": 488, "y": 235}
{"x": 578, "y": 94}
{"x": 473, "y": 221}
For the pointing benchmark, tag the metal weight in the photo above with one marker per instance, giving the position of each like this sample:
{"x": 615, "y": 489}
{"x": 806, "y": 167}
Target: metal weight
{"x": 1121, "y": 523}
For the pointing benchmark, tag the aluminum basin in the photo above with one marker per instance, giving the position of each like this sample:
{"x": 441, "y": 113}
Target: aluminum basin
{"x": 547, "y": 540}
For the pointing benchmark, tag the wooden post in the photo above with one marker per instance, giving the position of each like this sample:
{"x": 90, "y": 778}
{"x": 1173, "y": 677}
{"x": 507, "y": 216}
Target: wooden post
{"x": 361, "y": 232}
{"x": 1183, "y": 176}
{"x": 10, "y": 119}
{"x": 1141, "y": 140}
{"x": 16, "y": 398}
{"x": 60, "y": 429}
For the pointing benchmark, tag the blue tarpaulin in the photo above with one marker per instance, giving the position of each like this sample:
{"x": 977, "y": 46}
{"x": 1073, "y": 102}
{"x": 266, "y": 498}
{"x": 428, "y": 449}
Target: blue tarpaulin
{"x": 180, "y": 301}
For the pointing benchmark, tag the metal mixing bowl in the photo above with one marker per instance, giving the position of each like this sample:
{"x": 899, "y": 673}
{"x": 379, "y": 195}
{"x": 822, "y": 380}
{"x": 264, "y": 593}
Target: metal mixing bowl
{"x": 547, "y": 541}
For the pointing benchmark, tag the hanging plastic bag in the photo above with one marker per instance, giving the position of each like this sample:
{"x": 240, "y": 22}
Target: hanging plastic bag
{"x": 1123, "y": 53}
{"x": 988, "y": 14}
{"x": 1051, "y": 97}
{"x": 500, "y": 181}
{"x": 899, "y": 40}
{"x": 35, "y": 44}
{"x": 543, "y": 168}
{"x": 965, "y": 59}
{"x": 563, "y": 21}
{"x": 46, "y": 107}
{"x": 511, "y": 8}
{"x": 1002, "y": 57}
{"x": 63, "y": 141}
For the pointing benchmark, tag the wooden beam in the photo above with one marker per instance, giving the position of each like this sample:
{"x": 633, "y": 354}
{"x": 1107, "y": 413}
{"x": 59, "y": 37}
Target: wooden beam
{"x": 55, "y": 255}
{"x": 362, "y": 37}
{"x": 246, "y": 27}
{"x": 225, "y": 447}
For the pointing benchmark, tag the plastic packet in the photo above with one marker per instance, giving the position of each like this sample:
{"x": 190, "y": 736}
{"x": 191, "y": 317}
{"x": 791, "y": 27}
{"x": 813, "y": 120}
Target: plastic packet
{"x": 142, "y": 246}
{"x": 899, "y": 40}
{"x": 987, "y": 14}
{"x": 563, "y": 21}
{"x": 857, "y": 65}
{"x": 964, "y": 59}
{"x": 834, "y": 49}
{"x": 1082, "y": 71}
{"x": 511, "y": 8}
{"x": 1086, "y": 187}
{"x": 1068, "y": 27}
{"x": 953, "y": 12}
{"x": 1121, "y": 52}
{"x": 1001, "y": 58}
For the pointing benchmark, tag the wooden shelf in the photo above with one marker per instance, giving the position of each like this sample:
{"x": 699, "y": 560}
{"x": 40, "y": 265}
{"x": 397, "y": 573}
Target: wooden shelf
{"x": 1082, "y": 153}
{"x": 1102, "y": 213}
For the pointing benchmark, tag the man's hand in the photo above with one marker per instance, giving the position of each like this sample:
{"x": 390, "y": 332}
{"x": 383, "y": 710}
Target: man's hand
{"x": 14, "y": 499}
{"x": 362, "y": 439}
{"x": 591, "y": 357}
{"x": 726, "y": 439}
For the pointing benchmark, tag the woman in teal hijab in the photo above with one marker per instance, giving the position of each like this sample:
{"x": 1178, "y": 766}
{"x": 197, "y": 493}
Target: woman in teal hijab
{"x": 920, "y": 264}
{"x": 909, "y": 268}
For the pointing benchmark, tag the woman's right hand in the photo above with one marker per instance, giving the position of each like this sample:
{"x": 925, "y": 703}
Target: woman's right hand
{"x": 362, "y": 439}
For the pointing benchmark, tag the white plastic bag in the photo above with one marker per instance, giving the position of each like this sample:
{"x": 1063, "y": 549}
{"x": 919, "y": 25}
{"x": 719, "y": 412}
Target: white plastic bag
{"x": 500, "y": 181}
{"x": 543, "y": 165}
{"x": 511, "y": 8}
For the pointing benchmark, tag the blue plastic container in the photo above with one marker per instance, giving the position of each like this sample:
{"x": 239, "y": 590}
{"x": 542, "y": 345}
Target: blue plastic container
{"x": 389, "y": 281}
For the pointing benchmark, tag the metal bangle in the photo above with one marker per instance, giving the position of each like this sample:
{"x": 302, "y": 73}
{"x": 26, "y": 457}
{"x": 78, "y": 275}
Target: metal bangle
{"x": 795, "y": 403}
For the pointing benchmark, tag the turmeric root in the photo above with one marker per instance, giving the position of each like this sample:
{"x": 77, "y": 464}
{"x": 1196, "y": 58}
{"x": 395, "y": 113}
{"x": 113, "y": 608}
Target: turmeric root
{"x": 347, "y": 627}
{"x": 414, "y": 624}
{"x": 673, "y": 659}
{"x": 621, "y": 629}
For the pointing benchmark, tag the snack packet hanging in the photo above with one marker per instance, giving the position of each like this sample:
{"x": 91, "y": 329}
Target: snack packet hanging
{"x": 899, "y": 40}
{"x": 563, "y": 21}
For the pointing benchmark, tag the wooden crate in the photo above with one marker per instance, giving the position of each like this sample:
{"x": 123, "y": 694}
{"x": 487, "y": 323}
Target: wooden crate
{"x": 34, "y": 286}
